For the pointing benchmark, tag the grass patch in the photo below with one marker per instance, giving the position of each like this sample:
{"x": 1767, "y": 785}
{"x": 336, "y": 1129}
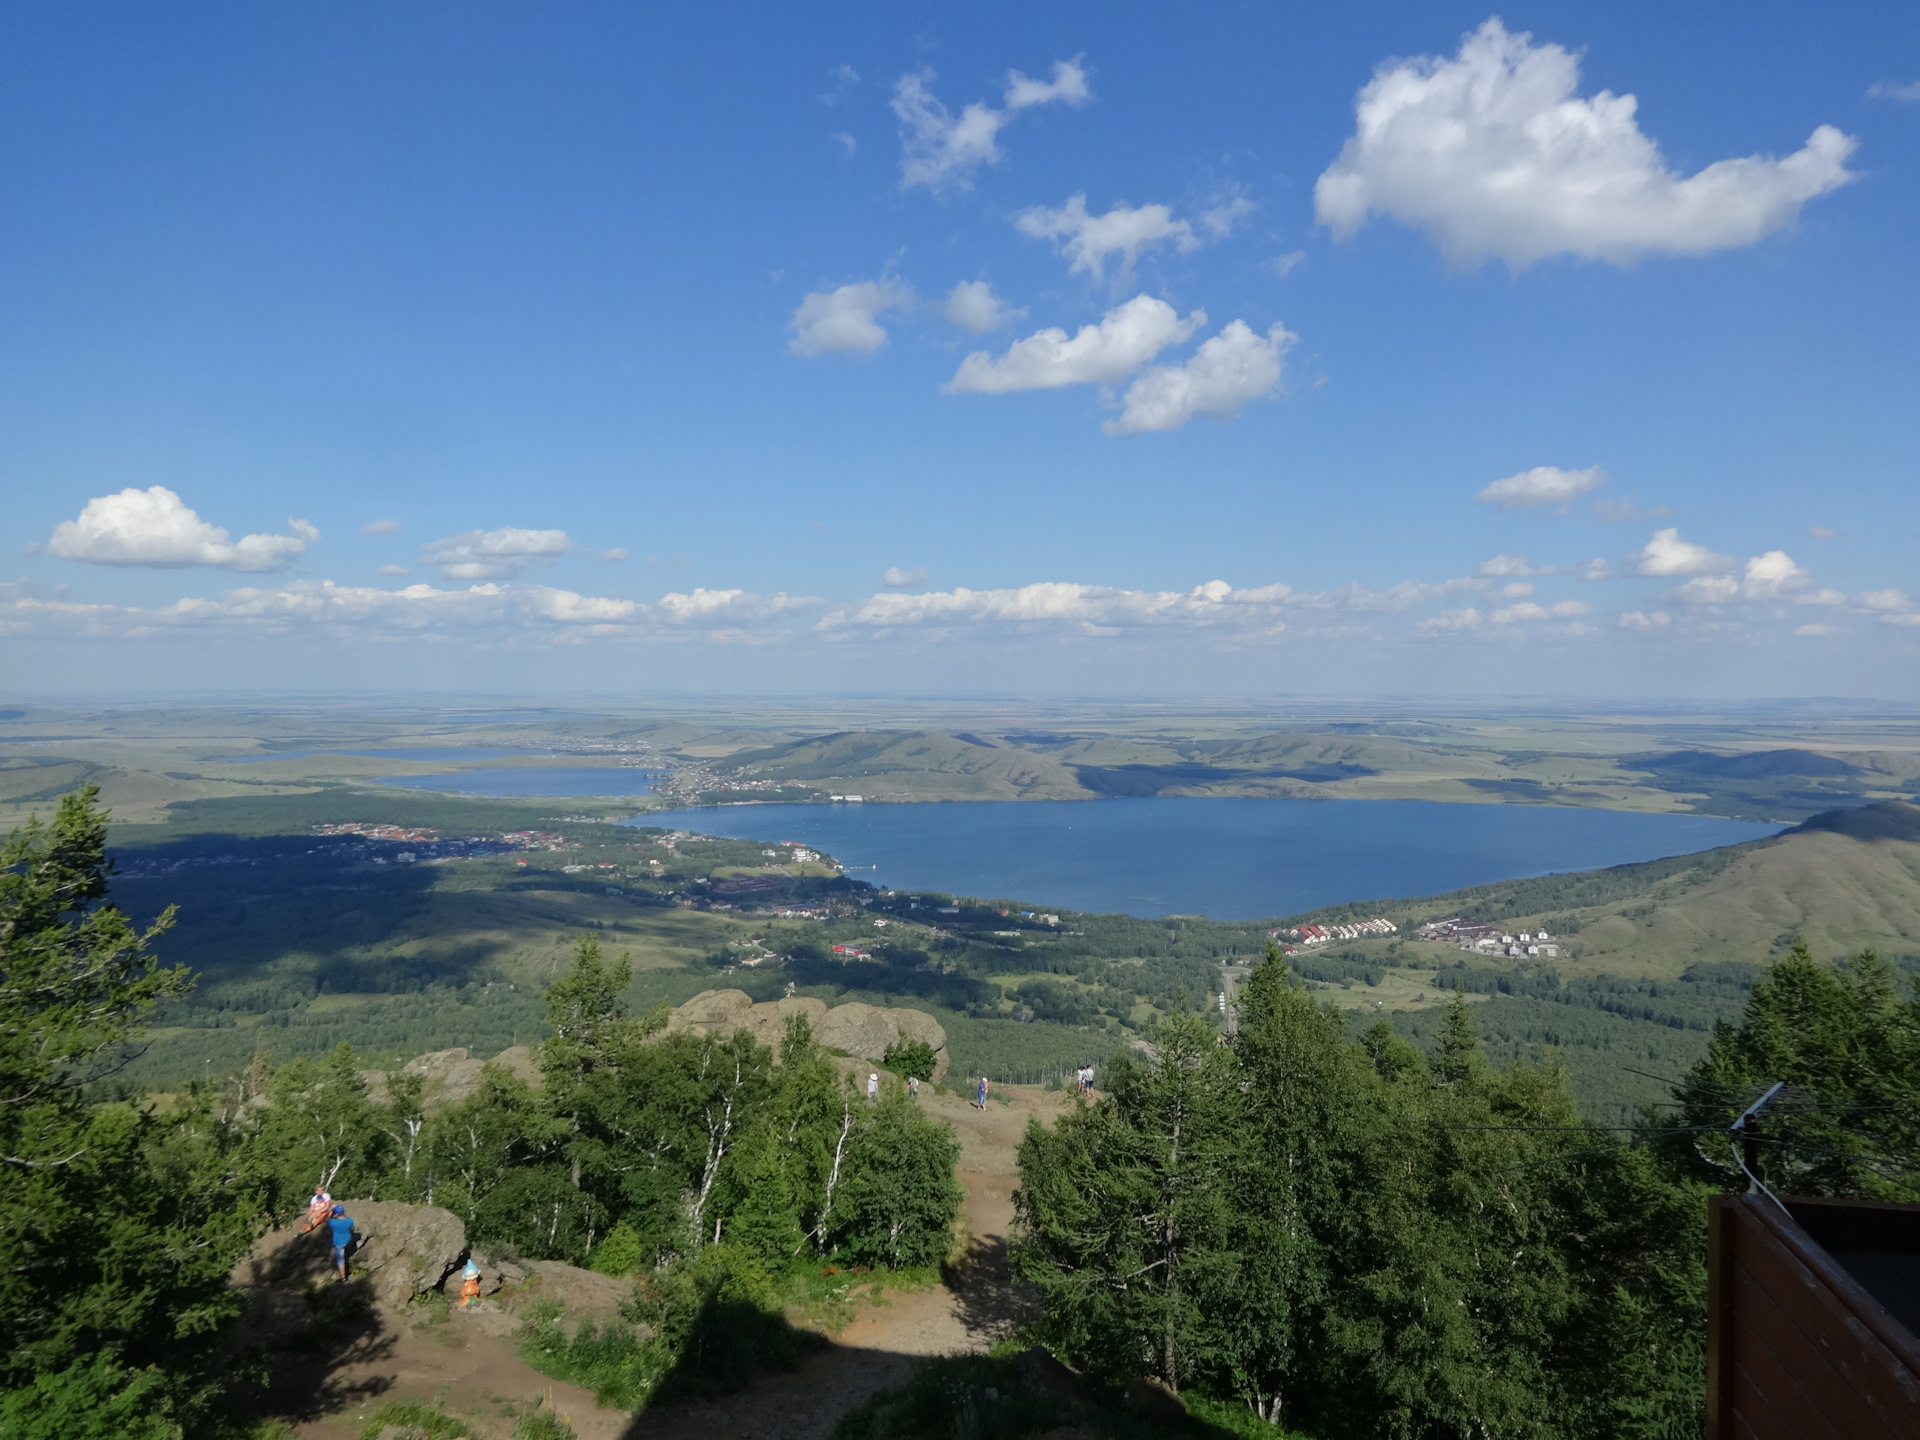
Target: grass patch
{"x": 703, "y": 1328}
{"x": 430, "y": 1420}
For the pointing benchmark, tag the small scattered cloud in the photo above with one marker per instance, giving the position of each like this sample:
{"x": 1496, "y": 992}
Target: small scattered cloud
{"x": 1644, "y": 619}
{"x": 32, "y": 547}
{"x": 973, "y": 307}
{"x": 1666, "y": 554}
{"x": 391, "y": 569}
{"x": 1088, "y": 241}
{"x": 1618, "y": 512}
{"x": 1219, "y": 219}
{"x": 157, "y": 529}
{"x": 1283, "y": 265}
{"x": 1884, "y": 600}
{"x": 845, "y": 81}
{"x": 1765, "y": 577}
{"x": 1501, "y": 566}
{"x": 846, "y": 321}
{"x": 1824, "y": 532}
{"x": 1594, "y": 569}
{"x": 1493, "y": 154}
{"x": 1235, "y": 367}
{"x": 380, "y": 527}
{"x": 1450, "y": 621}
{"x": 898, "y": 579}
{"x": 1519, "y": 590}
{"x": 941, "y": 150}
{"x": 1527, "y": 611}
{"x": 846, "y": 142}
{"x": 1813, "y": 630}
{"x": 614, "y": 554}
{"x": 495, "y": 554}
{"x": 1900, "y": 92}
{"x": 1542, "y": 485}
{"x": 1127, "y": 337}
{"x": 1822, "y": 597}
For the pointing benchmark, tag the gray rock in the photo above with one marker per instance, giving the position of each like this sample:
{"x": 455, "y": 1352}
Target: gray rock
{"x": 400, "y": 1251}
{"x": 863, "y": 1030}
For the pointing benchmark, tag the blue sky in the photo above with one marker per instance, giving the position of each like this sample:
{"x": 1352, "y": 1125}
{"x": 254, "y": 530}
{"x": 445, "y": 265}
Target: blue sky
{"x": 634, "y": 331}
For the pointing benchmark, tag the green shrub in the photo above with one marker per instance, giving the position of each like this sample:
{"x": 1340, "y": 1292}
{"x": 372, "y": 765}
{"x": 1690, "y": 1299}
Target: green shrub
{"x": 94, "y": 1399}
{"x": 543, "y": 1425}
{"x": 909, "y": 1059}
{"x": 620, "y": 1253}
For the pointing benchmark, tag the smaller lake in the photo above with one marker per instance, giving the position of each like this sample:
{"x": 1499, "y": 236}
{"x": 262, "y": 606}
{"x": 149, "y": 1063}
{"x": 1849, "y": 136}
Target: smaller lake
{"x": 526, "y": 780}
{"x": 1226, "y": 859}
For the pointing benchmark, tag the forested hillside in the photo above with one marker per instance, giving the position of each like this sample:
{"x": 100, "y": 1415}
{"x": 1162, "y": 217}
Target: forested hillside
{"x": 707, "y": 1161}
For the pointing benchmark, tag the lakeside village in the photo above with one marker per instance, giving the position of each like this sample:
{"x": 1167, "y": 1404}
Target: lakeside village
{"x": 1302, "y": 936}
{"x": 1470, "y": 935}
{"x": 1477, "y": 938}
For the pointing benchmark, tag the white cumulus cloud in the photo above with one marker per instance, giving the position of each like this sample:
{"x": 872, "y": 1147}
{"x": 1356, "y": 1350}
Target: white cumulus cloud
{"x": 1494, "y": 155}
{"x": 1666, "y": 554}
{"x": 1234, "y": 367}
{"x": 1903, "y": 94}
{"x": 1127, "y": 337}
{"x": 1644, "y": 619}
{"x": 845, "y": 321}
{"x": 1501, "y": 566}
{"x": 495, "y": 554}
{"x": 1542, "y": 485}
{"x": 1089, "y": 240}
{"x": 1527, "y": 610}
{"x": 380, "y": 527}
{"x": 941, "y": 150}
{"x": 155, "y": 527}
{"x": 898, "y": 579}
{"x": 1765, "y": 577}
{"x": 973, "y": 307}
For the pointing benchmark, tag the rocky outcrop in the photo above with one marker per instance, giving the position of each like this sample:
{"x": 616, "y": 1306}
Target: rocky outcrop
{"x": 399, "y": 1251}
{"x": 450, "y": 1076}
{"x": 862, "y": 1030}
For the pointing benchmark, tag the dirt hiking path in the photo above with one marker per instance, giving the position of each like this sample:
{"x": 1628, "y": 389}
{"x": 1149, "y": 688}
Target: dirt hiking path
{"x": 472, "y": 1365}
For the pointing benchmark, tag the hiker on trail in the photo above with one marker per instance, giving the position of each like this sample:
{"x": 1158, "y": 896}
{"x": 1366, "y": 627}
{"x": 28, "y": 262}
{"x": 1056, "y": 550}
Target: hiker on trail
{"x": 981, "y": 1103}
{"x": 319, "y": 1208}
{"x": 873, "y": 1087}
{"x": 913, "y": 1085}
{"x": 470, "y": 1286}
{"x": 341, "y": 1224}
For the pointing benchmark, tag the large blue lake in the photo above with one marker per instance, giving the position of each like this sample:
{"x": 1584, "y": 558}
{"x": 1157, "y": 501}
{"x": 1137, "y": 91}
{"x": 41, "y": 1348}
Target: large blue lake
{"x": 1228, "y": 859}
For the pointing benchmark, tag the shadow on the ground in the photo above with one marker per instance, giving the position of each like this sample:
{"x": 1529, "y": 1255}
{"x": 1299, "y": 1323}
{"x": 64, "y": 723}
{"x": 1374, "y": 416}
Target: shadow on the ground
{"x": 989, "y": 1301}
{"x": 306, "y": 1380}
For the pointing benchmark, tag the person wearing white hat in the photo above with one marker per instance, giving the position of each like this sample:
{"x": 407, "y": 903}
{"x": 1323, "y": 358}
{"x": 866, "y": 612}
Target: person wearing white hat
{"x": 873, "y": 1088}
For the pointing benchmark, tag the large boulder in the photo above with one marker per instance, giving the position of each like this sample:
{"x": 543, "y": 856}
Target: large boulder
{"x": 399, "y": 1251}
{"x": 450, "y": 1076}
{"x": 862, "y": 1030}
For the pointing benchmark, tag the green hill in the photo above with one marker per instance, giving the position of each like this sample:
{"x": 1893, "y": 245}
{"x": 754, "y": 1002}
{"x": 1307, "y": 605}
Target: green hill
{"x": 913, "y": 765}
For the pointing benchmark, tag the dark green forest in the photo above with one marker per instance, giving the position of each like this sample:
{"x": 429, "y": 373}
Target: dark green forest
{"x": 1361, "y": 1238}
{"x": 705, "y": 1163}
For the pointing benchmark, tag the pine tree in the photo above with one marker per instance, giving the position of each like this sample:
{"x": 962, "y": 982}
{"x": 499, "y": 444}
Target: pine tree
{"x": 117, "y": 1225}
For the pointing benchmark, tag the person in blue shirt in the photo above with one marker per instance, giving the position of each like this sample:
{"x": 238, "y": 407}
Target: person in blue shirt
{"x": 341, "y": 1224}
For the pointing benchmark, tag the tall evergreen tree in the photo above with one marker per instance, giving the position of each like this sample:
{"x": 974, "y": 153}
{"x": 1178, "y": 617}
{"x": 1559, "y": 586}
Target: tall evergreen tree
{"x": 117, "y": 1224}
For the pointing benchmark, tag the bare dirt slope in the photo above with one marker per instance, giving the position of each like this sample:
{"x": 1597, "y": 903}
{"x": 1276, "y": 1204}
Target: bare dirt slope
{"x": 471, "y": 1363}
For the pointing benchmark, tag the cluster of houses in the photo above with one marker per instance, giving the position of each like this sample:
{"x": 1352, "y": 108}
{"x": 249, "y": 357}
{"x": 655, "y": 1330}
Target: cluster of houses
{"x": 1479, "y": 938}
{"x": 1321, "y": 934}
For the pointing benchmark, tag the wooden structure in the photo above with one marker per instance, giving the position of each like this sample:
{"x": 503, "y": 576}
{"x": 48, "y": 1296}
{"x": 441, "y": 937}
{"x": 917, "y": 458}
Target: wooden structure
{"x": 1812, "y": 1319}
